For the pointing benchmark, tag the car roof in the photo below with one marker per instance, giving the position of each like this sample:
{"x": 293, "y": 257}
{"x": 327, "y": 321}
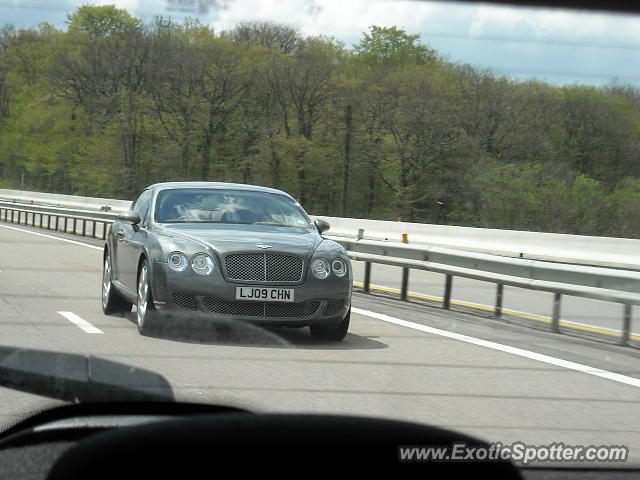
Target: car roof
{"x": 215, "y": 185}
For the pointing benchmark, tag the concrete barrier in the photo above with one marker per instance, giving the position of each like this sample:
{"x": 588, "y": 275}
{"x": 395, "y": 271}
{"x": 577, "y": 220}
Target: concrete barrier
{"x": 70, "y": 201}
{"x": 555, "y": 247}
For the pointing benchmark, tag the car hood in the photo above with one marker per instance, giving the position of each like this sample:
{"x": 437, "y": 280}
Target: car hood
{"x": 224, "y": 239}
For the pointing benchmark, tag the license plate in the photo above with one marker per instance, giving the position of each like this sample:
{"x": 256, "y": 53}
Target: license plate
{"x": 265, "y": 294}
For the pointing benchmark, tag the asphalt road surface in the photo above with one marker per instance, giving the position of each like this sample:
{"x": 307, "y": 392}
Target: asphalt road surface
{"x": 498, "y": 381}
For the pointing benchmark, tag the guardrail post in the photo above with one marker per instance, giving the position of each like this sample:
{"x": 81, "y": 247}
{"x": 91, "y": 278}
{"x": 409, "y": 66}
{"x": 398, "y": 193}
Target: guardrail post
{"x": 93, "y": 230}
{"x": 626, "y": 325}
{"x": 57, "y": 219}
{"x": 104, "y": 230}
{"x": 84, "y": 227}
{"x": 555, "y": 319}
{"x": 48, "y": 222}
{"x": 64, "y": 224}
{"x": 74, "y": 225}
{"x": 367, "y": 276}
{"x": 405, "y": 274}
{"x": 405, "y": 283}
{"x": 446, "y": 301}
{"x": 499, "y": 292}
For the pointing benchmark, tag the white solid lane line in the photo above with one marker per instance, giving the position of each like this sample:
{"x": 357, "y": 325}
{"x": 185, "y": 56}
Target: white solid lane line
{"x": 80, "y": 322}
{"x": 51, "y": 236}
{"x": 635, "y": 382}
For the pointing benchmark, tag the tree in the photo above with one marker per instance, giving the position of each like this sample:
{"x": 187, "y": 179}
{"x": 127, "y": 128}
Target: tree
{"x": 392, "y": 45}
{"x": 101, "y": 21}
{"x": 269, "y": 35}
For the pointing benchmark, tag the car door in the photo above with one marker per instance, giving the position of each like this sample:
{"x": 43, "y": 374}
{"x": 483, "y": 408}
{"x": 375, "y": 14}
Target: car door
{"x": 130, "y": 242}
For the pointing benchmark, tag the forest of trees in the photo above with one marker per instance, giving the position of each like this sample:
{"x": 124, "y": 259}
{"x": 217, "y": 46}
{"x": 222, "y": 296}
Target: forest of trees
{"x": 386, "y": 129}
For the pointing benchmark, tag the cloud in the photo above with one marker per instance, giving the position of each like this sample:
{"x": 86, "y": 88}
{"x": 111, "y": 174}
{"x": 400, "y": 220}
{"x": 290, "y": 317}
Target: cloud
{"x": 130, "y": 5}
{"x": 562, "y": 26}
{"x": 344, "y": 19}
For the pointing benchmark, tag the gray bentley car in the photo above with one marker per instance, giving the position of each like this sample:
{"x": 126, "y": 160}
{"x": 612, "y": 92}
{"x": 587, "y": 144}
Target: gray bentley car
{"x": 236, "y": 252}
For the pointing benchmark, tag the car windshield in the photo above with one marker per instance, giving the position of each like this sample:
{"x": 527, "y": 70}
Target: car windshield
{"x": 228, "y": 206}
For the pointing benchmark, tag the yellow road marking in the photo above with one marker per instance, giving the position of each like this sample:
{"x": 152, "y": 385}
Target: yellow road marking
{"x": 528, "y": 316}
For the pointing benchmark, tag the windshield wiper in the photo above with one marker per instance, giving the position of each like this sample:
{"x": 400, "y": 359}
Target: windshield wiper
{"x": 277, "y": 224}
{"x": 189, "y": 221}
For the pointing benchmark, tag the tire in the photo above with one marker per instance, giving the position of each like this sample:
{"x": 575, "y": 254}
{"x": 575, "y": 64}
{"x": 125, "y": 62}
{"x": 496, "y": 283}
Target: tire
{"x": 334, "y": 334}
{"x": 146, "y": 312}
{"x": 112, "y": 301}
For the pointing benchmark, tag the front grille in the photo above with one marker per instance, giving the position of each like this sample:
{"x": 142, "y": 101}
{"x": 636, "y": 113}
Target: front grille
{"x": 264, "y": 267}
{"x": 245, "y": 266}
{"x": 261, "y": 309}
{"x": 332, "y": 307}
{"x": 185, "y": 301}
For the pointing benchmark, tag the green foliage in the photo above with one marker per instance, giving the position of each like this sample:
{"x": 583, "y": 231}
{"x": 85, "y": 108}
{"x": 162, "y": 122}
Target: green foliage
{"x": 392, "y": 44}
{"x": 384, "y": 130}
{"x": 101, "y": 21}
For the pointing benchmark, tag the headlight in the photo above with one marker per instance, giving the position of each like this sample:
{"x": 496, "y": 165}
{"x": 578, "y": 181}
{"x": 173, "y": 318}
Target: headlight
{"x": 320, "y": 268}
{"x": 202, "y": 264}
{"x": 339, "y": 267}
{"x": 178, "y": 261}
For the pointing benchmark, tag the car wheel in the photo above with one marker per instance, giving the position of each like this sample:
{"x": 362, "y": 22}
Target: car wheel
{"x": 336, "y": 333}
{"x": 145, "y": 309}
{"x": 112, "y": 302}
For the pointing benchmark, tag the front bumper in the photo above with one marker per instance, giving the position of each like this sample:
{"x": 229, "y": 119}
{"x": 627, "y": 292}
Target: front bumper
{"x": 317, "y": 302}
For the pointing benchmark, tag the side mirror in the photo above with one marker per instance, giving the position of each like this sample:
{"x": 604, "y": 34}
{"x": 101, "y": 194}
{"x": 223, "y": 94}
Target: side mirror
{"x": 321, "y": 225}
{"x": 129, "y": 217}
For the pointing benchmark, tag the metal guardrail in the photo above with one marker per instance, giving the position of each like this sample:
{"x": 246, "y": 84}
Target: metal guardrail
{"x": 78, "y": 222}
{"x": 606, "y": 284}
{"x": 597, "y": 283}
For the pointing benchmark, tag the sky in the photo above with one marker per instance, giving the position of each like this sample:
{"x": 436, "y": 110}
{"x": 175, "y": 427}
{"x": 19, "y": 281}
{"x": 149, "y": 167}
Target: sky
{"x": 553, "y": 45}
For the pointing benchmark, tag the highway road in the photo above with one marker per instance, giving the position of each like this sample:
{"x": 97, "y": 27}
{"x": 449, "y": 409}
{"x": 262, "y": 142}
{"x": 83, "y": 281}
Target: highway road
{"x": 577, "y": 314}
{"x": 498, "y": 381}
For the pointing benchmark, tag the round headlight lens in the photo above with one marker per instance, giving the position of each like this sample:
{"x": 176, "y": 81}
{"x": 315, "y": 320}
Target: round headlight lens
{"x": 202, "y": 264}
{"x": 339, "y": 267}
{"x": 320, "y": 268}
{"x": 177, "y": 261}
